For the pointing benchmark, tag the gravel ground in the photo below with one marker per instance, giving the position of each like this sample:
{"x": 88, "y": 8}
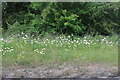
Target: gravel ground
{"x": 62, "y": 71}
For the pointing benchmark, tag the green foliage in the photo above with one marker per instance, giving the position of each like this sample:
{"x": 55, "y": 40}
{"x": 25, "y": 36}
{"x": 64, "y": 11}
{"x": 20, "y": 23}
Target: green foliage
{"x": 49, "y": 50}
{"x": 63, "y": 18}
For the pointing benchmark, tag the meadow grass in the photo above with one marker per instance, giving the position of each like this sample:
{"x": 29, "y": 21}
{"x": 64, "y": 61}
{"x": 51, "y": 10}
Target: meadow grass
{"x": 24, "y": 50}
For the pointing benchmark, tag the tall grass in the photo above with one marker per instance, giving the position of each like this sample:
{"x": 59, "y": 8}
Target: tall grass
{"x": 24, "y": 50}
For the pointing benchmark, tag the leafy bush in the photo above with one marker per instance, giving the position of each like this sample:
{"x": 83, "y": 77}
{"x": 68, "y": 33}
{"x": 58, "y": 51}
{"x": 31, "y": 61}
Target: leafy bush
{"x": 64, "y": 18}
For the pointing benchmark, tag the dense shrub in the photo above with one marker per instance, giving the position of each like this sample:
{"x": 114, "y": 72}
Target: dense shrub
{"x": 64, "y": 18}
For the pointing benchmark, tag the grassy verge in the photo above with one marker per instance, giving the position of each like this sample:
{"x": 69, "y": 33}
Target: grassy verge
{"x": 27, "y": 51}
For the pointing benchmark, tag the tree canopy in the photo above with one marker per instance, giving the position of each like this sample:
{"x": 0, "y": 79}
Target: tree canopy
{"x": 78, "y": 18}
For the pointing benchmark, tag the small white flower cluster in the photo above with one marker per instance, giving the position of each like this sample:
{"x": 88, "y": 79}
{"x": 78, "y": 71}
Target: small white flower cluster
{"x": 7, "y": 49}
{"x": 69, "y": 43}
{"x": 40, "y": 51}
{"x": 65, "y": 42}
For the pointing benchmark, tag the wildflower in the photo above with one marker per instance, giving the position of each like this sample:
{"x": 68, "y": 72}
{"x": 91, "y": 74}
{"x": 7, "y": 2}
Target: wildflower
{"x": 26, "y": 36}
{"x": 23, "y": 52}
{"x": 42, "y": 53}
{"x": 1, "y": 50}
{"x": 43, "y": 49}
{"x": 22, "y": 33}
{"x": 1, "y": 39}
{"x": 85, "y": 37}
{"x": 103, "y": 39}
{"x": 71, "y": 34}
{"x": 11, "y": 50}
{"x": 3, "y": 54}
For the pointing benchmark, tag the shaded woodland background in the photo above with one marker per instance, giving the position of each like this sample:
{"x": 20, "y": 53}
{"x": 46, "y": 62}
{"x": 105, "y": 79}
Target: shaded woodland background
{"x": 77, "y": 18}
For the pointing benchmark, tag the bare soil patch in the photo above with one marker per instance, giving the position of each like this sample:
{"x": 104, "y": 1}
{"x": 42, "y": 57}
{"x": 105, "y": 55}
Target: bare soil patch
{"x": 62, "y": 71}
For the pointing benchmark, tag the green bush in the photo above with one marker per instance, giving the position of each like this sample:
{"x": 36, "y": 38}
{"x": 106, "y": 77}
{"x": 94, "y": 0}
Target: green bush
{"x": 63, "y": 18}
